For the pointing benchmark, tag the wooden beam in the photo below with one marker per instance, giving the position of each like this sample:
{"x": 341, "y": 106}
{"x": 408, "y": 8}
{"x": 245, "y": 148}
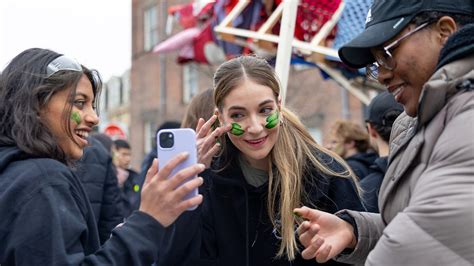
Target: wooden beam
{"x": 344, "y": 82}
{"x": 285, "y": 40}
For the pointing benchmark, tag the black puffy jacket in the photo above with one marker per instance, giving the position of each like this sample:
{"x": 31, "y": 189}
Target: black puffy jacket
{"x": 95, "y": 170}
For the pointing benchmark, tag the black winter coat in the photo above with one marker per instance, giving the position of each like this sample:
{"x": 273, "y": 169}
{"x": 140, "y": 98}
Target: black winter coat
{"x": 232, "y": 226}
{"x": 96, "y": 172}
{"x": 46, "y": 219}
{"x": 371, "y": 184}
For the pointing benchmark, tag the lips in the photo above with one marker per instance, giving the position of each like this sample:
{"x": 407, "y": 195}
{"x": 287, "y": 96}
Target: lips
{"x": 82, "y": 134}
{"x": 397, "y": 91}
{"x": 256, "y": 142}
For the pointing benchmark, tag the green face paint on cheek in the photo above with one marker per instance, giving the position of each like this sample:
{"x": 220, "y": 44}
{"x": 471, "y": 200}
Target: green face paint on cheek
{"x": 237, "y": 130}
{"x": 272, "y": 120}
{"x": 76, "y": 117}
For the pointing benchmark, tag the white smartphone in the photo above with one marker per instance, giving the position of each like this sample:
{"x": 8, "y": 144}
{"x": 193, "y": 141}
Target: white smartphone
{"x": 174, "y": 141}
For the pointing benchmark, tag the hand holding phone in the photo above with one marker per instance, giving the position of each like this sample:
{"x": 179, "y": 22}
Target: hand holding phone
{"x": 172, "y": 142}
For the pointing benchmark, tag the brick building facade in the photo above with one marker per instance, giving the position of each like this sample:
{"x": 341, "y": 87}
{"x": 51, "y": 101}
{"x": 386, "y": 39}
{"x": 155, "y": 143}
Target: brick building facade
{"x": 317, "y": 101}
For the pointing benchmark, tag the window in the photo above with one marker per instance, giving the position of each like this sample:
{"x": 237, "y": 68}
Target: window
{"x": 114, "y": 92}
{"x": 148, "y": 136}
{"x": 126, "y": 87}
{"x": 150, "y": 28}
{"x": 190, "y": 81}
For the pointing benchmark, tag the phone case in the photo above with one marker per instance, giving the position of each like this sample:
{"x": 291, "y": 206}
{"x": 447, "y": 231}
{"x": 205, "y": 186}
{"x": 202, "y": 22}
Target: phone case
{"x": 184, "y": 140}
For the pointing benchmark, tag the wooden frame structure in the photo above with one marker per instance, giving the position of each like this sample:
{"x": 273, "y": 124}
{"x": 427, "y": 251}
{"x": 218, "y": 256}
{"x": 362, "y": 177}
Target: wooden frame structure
{"x": 263, "y": 38}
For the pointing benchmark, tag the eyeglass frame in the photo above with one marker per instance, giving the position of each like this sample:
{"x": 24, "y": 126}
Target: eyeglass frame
{"x": 372, "y": 69}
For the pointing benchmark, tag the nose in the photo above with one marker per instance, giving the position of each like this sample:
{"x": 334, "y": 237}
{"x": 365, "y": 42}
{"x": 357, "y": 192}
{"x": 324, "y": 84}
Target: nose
{"x": 91, "y": 117}
{"x": 384, "y": 75}
{"x": 256, "y": 125}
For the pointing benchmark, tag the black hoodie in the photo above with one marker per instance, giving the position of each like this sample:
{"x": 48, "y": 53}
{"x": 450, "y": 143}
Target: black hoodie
{"x": 46, "y": 219}
{"x": 361, "y": 162}
{"x": 232, "y": 227}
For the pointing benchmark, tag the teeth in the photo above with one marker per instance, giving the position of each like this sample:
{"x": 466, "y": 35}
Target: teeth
{"x": 397, "y": 91}
{"x": 83, "y": 134}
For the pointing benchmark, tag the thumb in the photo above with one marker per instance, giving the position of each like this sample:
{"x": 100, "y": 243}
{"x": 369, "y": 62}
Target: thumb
{"x": 151, "y": 172}
{"x": 308, "y": 213}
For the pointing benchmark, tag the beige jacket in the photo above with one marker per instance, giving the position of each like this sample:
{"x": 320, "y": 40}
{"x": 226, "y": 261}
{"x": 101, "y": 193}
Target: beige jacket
{"x": 427, "y": 196}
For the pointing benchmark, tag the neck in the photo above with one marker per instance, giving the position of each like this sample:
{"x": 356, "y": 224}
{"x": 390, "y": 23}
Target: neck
{"x": 350, "y": 152}
{"x": 382, "y": 147}
{"x": 261, "y": 164}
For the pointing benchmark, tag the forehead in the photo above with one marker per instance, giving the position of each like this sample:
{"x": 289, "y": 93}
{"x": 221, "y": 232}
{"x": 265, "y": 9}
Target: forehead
{"x": 84, "y": 87}
{"x": 248, "y": 94}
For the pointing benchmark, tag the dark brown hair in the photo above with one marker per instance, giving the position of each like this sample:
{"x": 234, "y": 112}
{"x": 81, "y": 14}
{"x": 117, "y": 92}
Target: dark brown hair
{"x": 25, "y": 90}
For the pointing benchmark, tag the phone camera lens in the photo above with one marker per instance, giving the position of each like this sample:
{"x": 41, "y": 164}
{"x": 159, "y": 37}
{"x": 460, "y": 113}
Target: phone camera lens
{"x": 166, "y": 140}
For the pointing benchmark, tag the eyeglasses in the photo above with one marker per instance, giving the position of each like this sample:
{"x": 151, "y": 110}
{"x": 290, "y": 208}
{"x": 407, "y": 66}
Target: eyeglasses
{"x": 62, "y": 63}
{"x": 383, "y": 57}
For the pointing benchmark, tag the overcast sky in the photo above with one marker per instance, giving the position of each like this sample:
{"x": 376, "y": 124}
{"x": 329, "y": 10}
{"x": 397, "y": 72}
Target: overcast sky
{"x": 96, "y": 32}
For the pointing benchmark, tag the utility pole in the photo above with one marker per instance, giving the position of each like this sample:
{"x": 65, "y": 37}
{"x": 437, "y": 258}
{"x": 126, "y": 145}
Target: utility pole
{"x": 162, "y": 56}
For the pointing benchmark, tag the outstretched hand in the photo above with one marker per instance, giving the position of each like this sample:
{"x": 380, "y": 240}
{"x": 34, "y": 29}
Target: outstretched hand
{"x": 163, "y": 195}
{"x": 206, "y": 139}
{"x": 323, "y": 235}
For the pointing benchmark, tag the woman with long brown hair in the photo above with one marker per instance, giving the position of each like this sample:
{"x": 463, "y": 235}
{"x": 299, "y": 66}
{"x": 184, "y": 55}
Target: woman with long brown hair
{"x": 268, "y": 164}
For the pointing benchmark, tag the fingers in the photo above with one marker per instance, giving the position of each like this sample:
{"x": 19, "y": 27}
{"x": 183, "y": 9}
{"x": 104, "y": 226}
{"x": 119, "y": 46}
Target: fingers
{"x": 181, "y": 176}
{"x": 323, "y": 254}
{"x": 309, "y": 235}
{"x": 151, "y": 171}
{"x": 205, "y": 128}
{"x": 166, "y": 169}
{"x": 213, "y": 151}
{"x": 308, "y": 213}
{"x": 189, "y": 203}
{"x": 199, "y": 124}
{"x": 187, "y": 187}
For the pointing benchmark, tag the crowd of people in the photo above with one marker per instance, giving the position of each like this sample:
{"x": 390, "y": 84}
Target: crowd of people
{"x": 397, "y": 189}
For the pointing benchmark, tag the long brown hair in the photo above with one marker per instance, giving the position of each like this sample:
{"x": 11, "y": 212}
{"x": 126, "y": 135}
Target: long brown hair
{"x": 201, "y": 106}
{"x": 287, "y": 169}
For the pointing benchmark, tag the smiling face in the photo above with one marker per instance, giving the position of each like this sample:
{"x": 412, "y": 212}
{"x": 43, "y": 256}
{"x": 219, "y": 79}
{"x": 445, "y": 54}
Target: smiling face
{"x": 416, "y": 58}
{"x": 81, "y": 119}
{"x": 249, "y": 105}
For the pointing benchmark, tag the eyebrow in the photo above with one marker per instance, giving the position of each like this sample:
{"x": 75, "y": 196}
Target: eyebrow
{"x": 236, "y": 107}
{"x": 82, "y": 94}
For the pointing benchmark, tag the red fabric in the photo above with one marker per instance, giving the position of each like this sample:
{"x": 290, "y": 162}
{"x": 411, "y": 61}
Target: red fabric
{"x": 312, "y": 15}
{"x": 185, "y": 13}
{"x": 199, "y": 43}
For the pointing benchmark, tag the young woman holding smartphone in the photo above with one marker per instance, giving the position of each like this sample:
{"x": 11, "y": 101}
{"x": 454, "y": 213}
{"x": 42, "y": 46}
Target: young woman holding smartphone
{"x": 268, "y": 164}
{"x": 47, "y": 107}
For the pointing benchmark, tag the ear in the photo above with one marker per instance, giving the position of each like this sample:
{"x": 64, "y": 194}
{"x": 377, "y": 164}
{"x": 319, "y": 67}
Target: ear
{"x": 371, "y": 130}
{"x": 220, "y": 118}
{"x": 445, "y": 27}
{"x": 350, "y": 144}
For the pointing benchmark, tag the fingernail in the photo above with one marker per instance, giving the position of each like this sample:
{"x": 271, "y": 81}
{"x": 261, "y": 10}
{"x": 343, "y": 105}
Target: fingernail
{"x": 185, "y": 154}
{"x": 202, "y": 166}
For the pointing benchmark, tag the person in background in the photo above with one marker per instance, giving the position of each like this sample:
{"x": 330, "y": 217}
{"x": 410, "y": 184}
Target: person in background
{"x": 152, "y": 155}
{"x": 423, "y": 52}
{"x": 97, "y": 174}
{"x": 382, "y": 112}
{"x": 105, "y": 140}
{"x": 128, "y": 180}
{"x": 268, "y": 163}
{"x": 201, "y": 106}
{"x": 350, "y": 141}
{"x": 46, "y": 217}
